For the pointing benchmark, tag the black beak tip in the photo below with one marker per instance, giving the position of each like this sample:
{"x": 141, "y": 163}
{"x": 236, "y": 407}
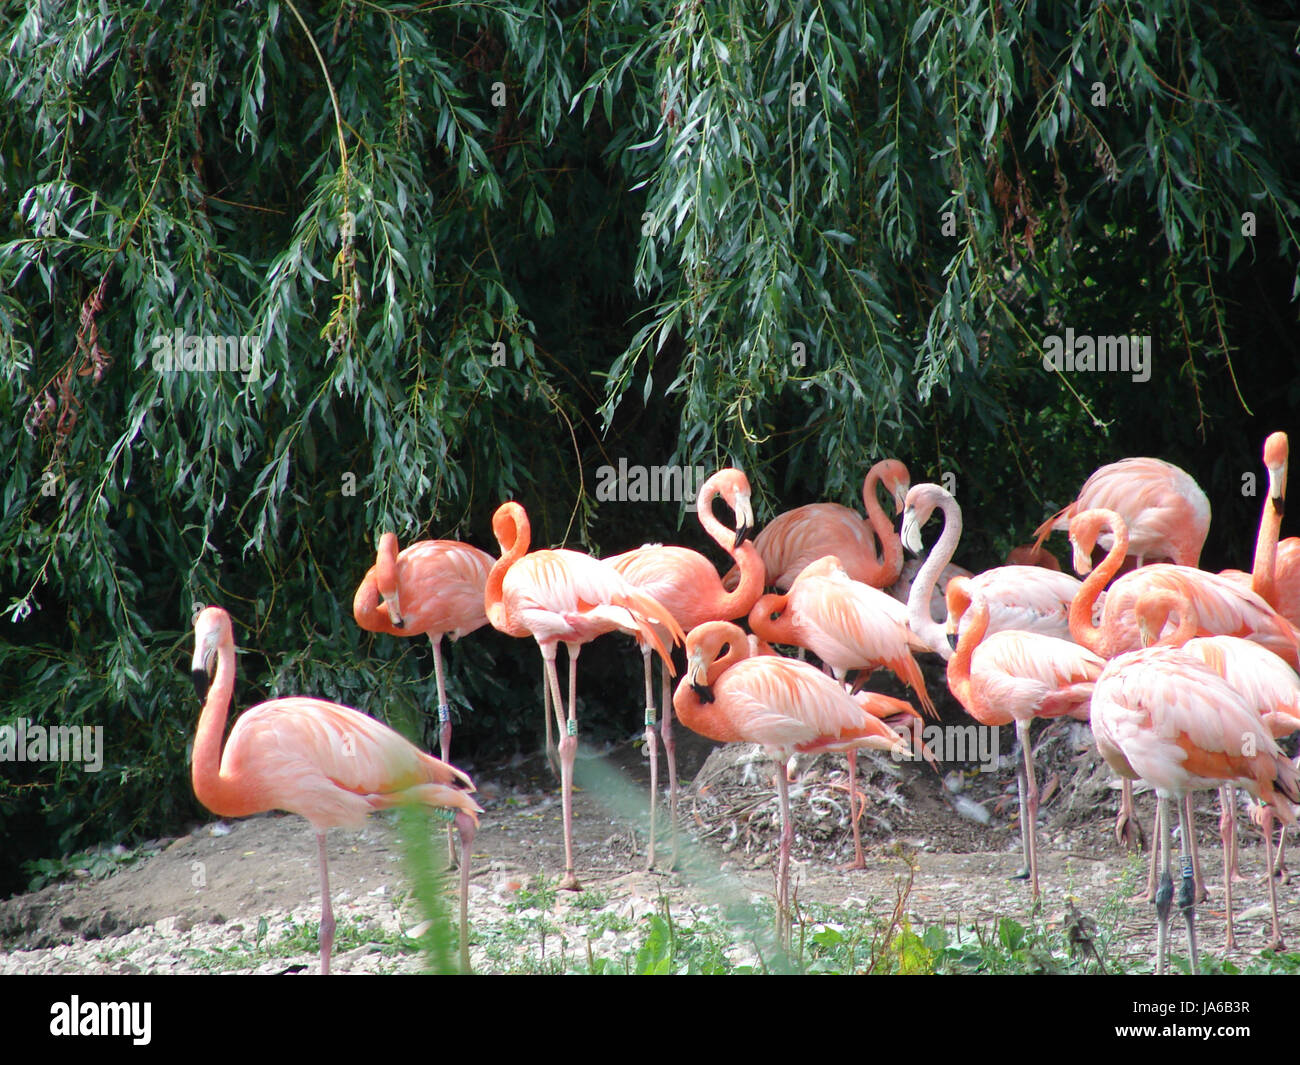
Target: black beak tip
{"x": 1279, "y": 505}
{"x": 201, "y": 682}
{"x": 952, "y": 640}
{"x": 400, "y": 623}
{"x": 744, "y": 533}
{"x": 703, "y": 692}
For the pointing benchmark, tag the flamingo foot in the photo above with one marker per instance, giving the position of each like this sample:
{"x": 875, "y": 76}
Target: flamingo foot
{"x": 570, "y": 882}
{"x": 1129, "y": 833}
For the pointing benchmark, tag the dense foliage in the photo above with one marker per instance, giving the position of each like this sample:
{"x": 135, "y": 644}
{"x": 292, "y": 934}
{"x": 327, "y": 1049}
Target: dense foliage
{"x": 477, "y": 251}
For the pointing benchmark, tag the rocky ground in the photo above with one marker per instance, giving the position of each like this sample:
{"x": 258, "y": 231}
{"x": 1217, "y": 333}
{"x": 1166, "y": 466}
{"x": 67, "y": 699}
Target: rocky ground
{"x": 941, "y": 850}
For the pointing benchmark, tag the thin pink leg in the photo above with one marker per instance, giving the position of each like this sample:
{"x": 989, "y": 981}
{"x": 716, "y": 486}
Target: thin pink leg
{"x": 326, "y": 910}
{"x": 467, "y": 829}
{"x": 670, "y": 750}
{"x": 1128, "y": 829}
{"x": 783, "y": 864}
{"x": 855, "y": 812}
{"x": 652, "y": 751}
{"x": 1266, "y": 824}
{"x": 1201, "y": 893}
{"x": 1228, "y": 829}
{"x": 568, "y": 752}
{"x": 444, "y": 730}
{"x": 1029, "y": 815}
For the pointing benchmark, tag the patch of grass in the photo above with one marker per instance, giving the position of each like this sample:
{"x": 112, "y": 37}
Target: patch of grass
{"x": 92, "y": 864}
{"x": 540, "y": 894}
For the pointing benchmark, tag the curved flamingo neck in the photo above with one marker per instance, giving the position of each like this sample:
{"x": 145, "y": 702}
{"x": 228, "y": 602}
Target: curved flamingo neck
{"x": 737, "y": 650}
{"x": 890, "y": 556}
{"x": 220, "y": 795}
{"x": 1153, "y": 610}
{"x": 1082, "y": 630}
{"x": 918, "y": 599}
{"x": 780, "y": 629}
{"x": 749, "y": 562}
{"x": 1263, "y": 575}
{"x": 386, "y": 566}
{"x": 365, "y": 604}
{"x": 514, "y": 535}
{"x": 959, "y": 682}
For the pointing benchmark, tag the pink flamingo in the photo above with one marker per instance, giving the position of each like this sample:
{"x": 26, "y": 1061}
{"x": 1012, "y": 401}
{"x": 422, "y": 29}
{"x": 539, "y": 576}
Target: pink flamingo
{"x": 1166, "y": 513}
{"x": 328, "y": 763}
{"x": 569, "y": 597}
{"x": 1032, "y": 555}
{"x": 1020, "y": 598}
{"x": 1163, "y": 715}
{"x": 1017, "y": 676}
{"x": 433, "y": 588}
{"x": 1267, "y": 684}
{"x": 1222, "y": 607}
{"x": 784, "y": 705}
{"x": 790, "y": 541}
{"x": 685, "y": 582}
{"x": 1276, "y": 571}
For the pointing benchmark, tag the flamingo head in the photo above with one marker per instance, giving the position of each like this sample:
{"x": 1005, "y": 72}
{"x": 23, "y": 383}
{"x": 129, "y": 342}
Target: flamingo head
{"x": 897, "y": 481}
{"x": 510, "y": 526}
{"x": 918, "y": 505}
{"x": 958, "y": 595}
{"x": 733, "y": 486}
{"x": 711, "y": 649}
{"x": 1276, "y": 453}
{"x": 1085, "y": 528}
{"x": 211, "y": 630}
{"x": 386, "y": 578}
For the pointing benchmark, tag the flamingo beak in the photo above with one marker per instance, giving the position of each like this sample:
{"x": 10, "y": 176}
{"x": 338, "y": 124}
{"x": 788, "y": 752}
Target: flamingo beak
{"x": 900, "y": 496}
{"x": 1277, "y": 487}
{"x": 1082, "y": 558}
{"x": 697, "y": 675}
{"x": 744, "y": 521}
{"x": 911, "y": 534}
{"x": 394, "y": 605}
{"x": 204, "y": 665}
{"x": 952, "y": 640}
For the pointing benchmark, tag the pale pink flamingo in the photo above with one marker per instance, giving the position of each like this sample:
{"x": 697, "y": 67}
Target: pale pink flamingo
{"x": 784, "y": 705}
{"x": 568, "y": 597}
{"x": 1222, "y": 606}
{"x": 1267, "y": 685}
{"x": 328, "y": 763}
{"x": 1276, "y": 571}
{"x": 1014, "y": 676}
{"x": 686, "y": 583}
{"x": 790, "y": 541}
{"x": 848, "y": 625}
{"x": 1021, "y": 598}
{"x": 1162, "y": 714}
{"x": 1166, "y": 513}
{"x": 432, "y": 588}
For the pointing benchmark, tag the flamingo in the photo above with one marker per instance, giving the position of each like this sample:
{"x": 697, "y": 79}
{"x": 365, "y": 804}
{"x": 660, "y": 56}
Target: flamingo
{"x": 1164, "y": 509}
{"x": 1017, "y": 676}
{"x": 847, "y": 624}
{"x": 790, "y": 541}
{"x": 433, "y": 588}
{"x": 569, "y": 597}
{"x": 687, "y": 584}
{"x": 328, "y": 763}
{"x": 1222, "y": 607}
{"x": 1266, "y": 683}
{"x": 1162, "y": 714}
{"x": 1022, "y": 598}
{"x": 784, "y": 705}
{"x": 1276, "y": 571}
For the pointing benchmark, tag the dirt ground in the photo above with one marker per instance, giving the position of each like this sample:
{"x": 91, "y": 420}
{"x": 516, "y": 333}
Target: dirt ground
{"x": 204, "y": 891}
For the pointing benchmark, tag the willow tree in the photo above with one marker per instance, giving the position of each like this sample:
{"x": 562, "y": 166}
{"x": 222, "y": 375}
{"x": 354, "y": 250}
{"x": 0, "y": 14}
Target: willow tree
{"x": 273, "y": 277}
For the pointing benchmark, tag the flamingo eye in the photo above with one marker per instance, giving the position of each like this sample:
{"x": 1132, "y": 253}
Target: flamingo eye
{"x": 776, "y": 616}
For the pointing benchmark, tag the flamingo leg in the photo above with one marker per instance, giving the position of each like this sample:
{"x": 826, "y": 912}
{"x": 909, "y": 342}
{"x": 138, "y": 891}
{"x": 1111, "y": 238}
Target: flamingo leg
{"x": 1228, "y": 829}
{"x": 1128, "y": 828}
{"x": 444, "y": 731}
{"x": 326, "y": 910}
{"x": 1279, "y": 867}
{"x": 855, "y": 812}
{"x": 783, "y": 864}
{"x": 1187, "y": 888}
{"x": 1229, "y": 942}
{"x": 1029, "y": 805}
{"x": 552, "y": 754}
{"x": 465, "y": 826}
{"x": 1164, "y": 893}
{"x": 1266, "y": 824}
{"x": 670, "y": 750}
{"x": 1150, "y": 895}
{"x": 1023, "y": 872}
{"x": 568, "y": 752}
{"x": 652, "y": 751}
{"x": 1201, "y": 893}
